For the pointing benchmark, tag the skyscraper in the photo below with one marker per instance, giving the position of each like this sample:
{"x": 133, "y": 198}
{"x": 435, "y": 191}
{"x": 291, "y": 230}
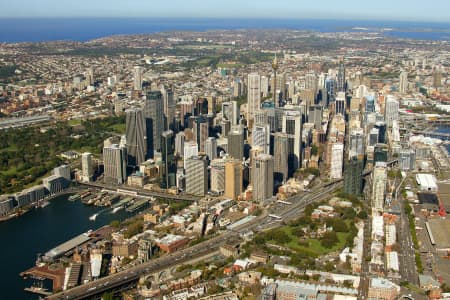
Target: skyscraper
{"x": 180, "y": 138}
{"x": 353, "y": 176}
{"x": 337, "y": 160}
{"x": 292, "y": 125}
{"x": 281, "y": 145}
{"x": 114, "y": 160}
{"x": 236, "y": 142}
{"x": 218, "y": 175}
{"x": 261, "y": 137}
{"x": 190, "y": 150}
{"x": 403, "y": 84}
{"x": 169, "y": 108}
{"x": 341, "y": 76}
{"x": 196, "y": 176}
{"x": 154, "y": 119}
{"x": 339, "y": 104}
{"x": 262, "y": 177}
{"x": 379, "y": 185}
{"x": 274, "y": 85}
{"x": 211, "y": 148}
{"x": 87, "y": 167}
{"x": 135, "y": 137}
{"x": 253, "y": 94}
{"x": 169, "y": 164}
{"x": 391, "y": 110}
{"x": 315, "y": 116}
{"x": 230, "y": 111}
{"x": 356, "y": 143}
{"x": 137, "y": 83}
{"x": 233, "y": 178}
{"x": 201, "y": 131}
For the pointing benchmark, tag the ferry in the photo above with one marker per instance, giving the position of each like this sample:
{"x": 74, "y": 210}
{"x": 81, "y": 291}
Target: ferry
{"x": 93, "y": 217}
{"x": 116, "y": 209}
{"x": 74, "y": 197}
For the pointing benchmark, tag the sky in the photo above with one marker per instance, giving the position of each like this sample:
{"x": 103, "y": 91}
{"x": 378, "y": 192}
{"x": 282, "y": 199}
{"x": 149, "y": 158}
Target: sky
{"x": 402, "y": 10}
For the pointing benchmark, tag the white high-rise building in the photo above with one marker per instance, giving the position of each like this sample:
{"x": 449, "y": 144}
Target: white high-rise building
{"x": 218, "y": 175}
{"x": 230, "y": 112}
{"x": 379, "y": 185}
{"x": 190, "y": 150}
{"x": 262, "y": 177}
{"x": 261, "y": 137}
{"x": 253, "y": 94}
{"x": 114, "y": 160}
{"x": 211, "y": 148}
{"x": 403, "y": 84}
{"x": 265, "y": 86}
{"x": 87, "y": 168}
{"x": 337, "y": 156}
{"x": 391, "y": 110}
{"x": 138, "y": 73}
{"x": 196, "y": 176}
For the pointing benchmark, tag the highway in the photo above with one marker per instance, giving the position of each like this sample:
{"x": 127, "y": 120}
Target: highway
{"x": 263, "y": 222}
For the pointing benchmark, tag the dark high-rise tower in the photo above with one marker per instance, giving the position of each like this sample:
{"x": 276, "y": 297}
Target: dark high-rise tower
{"x": 154, "y": 120}
{"x": 341, "y": 76}
{"x": 135, "y": 135}
{"x": 353, "y": 180}
{"x": 169, "y": 164}
{"x": 274, "y": 88}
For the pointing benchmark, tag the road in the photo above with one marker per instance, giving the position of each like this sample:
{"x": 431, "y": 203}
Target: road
{"x": 263, "y": 222}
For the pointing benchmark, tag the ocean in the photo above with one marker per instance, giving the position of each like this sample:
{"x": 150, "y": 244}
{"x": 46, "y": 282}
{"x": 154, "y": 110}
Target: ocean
{"x": 83, "y": 29}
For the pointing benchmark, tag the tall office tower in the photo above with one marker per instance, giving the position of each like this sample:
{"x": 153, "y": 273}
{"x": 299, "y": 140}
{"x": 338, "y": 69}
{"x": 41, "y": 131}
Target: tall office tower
{"x": 265, "y": 86}
{"x": 230, "y": 112}
{"x": 262, "y": 177}
{"x": 339, "y": 104}
{"x": 211, "y": 148}
{"x": 370, "y": 103}
{"x": 218, "y": 175}
{"x": 274, "y": 84}
{"x": 261, "y": 137}
{"x": 337, "y": 160}
{"x": 201, "y": 106}
{"x": 190, "y": 150}
{"x": 253, "y": 94}
{"x": 391, "y": 110}
{"x": 169, "y": 163}
{"x": 292, "y": 125}
{"x": 154, "y": 120}
{"x": 138, "y": 73}
{"x": 135, "y": 136}
{"x": 281, "y": 146}
{"x": 236, "y": 142}
{"x": 180, "y": 138}
{"x": 115, "y": 166}
{"x": 407, "y": 159}
{"x": 437, "y": 77}
{"x": 381, "y": 126}
{"x": 311, "y": 82}
{"x": 403, "y": 84}
{"x": 321, "y": 81}
{"x": 373, "y": 137}
{"x": 87, "y": 168}
{"x": 212, "y": 104}
{"x": 353, "y": 180}
{"x": 201, "y": 129}
{"x": 237, "y": 88}
{"x": 379, "y": 185}
{"x": 90, "y": 76}
{"x": 341, "y": 76}
{"x": 233, "y": 178}
{"x": 169, "y": 108}
{"x": 261, "y": 117}
{"x": 196, "y": 176}
{"x": 331, "y": 86}
{"x": 315, "y": 114}
{"x": 356, "y": 144}
{"x": 225, "y": 127}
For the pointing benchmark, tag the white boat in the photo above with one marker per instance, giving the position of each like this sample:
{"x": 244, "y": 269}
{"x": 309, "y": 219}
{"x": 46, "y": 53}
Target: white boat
{"x": 116, "y": 209}
{"x": 93, "y": 217}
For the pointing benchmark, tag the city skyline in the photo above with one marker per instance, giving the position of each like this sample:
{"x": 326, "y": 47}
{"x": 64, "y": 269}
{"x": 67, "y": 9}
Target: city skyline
{"x": 349, "y": 10}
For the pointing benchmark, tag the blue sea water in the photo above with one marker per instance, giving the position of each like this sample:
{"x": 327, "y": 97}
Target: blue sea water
{"x": 83, "y": 29}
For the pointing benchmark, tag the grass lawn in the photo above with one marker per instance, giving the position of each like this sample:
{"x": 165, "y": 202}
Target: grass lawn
{"x": 313, "y": 244}
{"x": 119, "y": 128}
{"x": 74, "y": 122}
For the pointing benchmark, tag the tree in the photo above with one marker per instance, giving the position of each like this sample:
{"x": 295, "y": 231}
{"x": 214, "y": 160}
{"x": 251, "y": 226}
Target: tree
{"x": 362, "y": 215}
{"x": 329, "y": 239}
{"x": 314, "y": 150}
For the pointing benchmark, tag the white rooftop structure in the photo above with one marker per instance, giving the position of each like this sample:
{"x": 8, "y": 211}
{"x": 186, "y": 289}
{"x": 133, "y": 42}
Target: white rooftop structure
{"x": 427, "y": 182}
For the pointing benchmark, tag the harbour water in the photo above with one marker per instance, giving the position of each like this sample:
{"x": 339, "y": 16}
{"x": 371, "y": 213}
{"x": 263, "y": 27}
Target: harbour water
{"x": 38, "y": 231}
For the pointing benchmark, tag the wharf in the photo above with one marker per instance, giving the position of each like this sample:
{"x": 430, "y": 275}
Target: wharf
{"x": 55, "y": 275}
{"x": 67, "y": 246}
{"x": 137, "y": 205}
{"x": 39, "y": 291}
{"x": 122, "y": 202}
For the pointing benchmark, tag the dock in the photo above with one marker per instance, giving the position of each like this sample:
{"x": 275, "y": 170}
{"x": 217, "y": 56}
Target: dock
{"x": 137, "y": 205}
{"x": 122, "y": 202}
{"x": 39, "y": 291}
{"x": 67, "y": 246}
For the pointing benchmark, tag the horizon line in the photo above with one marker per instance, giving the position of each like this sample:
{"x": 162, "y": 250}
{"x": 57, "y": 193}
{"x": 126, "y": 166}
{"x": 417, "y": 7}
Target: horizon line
{"x": 400, "y": 20}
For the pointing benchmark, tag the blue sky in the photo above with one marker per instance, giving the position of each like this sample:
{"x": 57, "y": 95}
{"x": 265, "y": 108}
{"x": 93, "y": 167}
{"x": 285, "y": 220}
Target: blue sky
{"x": 410, "y": 10}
